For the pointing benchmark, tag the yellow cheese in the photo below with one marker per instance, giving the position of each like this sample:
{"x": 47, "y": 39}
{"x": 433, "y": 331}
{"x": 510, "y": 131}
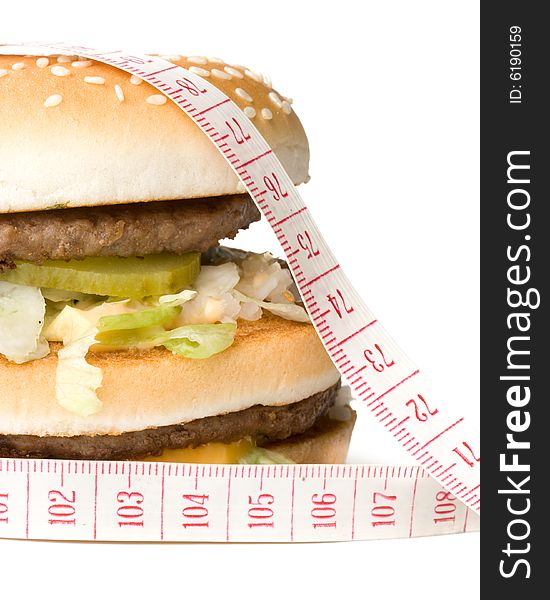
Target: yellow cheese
{"x": 215, "y": 453}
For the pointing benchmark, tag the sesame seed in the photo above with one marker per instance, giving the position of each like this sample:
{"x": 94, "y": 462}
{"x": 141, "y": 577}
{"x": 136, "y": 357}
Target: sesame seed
{"x": 275, "y": 99}
{"x": 249, "y": 112}
{"x": 199, "y": 71}
{"x": 157, "y": 99}
{"x": 253, "y": 75}
{"x": 18, "y": 66}
{"x": 95, "y": 80}
{"x": 81, "y": 64}
{"x": 3, "y": 72}
{"x": 171, "y": 57}
{"x": 65, "y": 59}
{"x": 134, "y": 80}
{"x": 42, "y": 62}
{"x": 199, "y": 60}
{"x": 221, "y": 74}
{"x": 215, "y": 59}
{"x": 243, "y": 94}
{"x": 54, "y": 100}
{"x": 286, "y": 107}
{"x": 119, "y": 93}
{"x": 59, "y": 71}
{"x": 267, "y": 81}
{"x": 233, "y": 72}
{"x": 267, "y": 114}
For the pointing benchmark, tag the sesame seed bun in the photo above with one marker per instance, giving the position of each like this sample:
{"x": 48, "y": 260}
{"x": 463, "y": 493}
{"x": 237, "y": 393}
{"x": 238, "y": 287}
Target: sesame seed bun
{"x": 80, "y": 133}
{"x": 273, "y": 362}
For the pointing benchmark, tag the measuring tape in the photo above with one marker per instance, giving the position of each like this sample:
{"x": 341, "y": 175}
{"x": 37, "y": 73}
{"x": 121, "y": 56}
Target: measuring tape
{"x": 84, "y": 500}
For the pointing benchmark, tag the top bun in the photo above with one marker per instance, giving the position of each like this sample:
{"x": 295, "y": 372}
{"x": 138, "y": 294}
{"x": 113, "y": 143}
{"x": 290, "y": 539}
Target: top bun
{"x": 75, "y": 132}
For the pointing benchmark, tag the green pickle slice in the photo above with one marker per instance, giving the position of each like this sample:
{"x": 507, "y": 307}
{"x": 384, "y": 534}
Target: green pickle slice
{"x": 132, "y": 277}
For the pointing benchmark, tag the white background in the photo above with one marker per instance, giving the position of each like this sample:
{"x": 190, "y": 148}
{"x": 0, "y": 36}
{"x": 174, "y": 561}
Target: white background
{"x": 395, "y": 191}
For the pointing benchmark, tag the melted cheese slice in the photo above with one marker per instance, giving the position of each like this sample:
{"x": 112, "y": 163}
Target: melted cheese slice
{"x": 215, "y": 453}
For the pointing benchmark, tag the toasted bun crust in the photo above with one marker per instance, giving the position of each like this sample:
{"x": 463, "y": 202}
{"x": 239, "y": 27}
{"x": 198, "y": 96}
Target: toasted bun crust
{"x": 102, "y": 145}
{"x": 272, "y": 362}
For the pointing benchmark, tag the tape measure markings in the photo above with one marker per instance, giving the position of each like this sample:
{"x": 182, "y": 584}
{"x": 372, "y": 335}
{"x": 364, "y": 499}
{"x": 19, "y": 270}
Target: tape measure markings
{"x": 380, "y": 374}
{"x": 49, "y": 499}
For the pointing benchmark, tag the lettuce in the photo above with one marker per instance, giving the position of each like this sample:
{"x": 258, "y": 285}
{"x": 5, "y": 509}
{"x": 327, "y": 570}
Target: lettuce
{"x": 76, "y": 381}
{"x": 22, "y": 311}
{"x": 214, "y": 281}
{"x": 293, "y": 312}
{"x": 261, "y": 456}
{"x": 201, "y": 341}
{"x": 177, "y": 299}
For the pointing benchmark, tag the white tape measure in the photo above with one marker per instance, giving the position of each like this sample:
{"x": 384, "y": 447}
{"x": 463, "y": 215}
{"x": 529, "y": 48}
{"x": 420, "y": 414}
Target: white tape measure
{"x": 120, "y": 501}
{"x": 137, "y": 501}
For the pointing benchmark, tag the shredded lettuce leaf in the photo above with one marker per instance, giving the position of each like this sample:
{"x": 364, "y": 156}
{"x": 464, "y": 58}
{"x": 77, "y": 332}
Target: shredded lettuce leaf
{"x": 177, "y": 299}
{"x": 293, "y": 312}
{"x": 214, "y": 281}
{"x": 22, "y": 310}
{"x": 262, "y": 277}
{"x": 76, "y": 381}
{"x": 201, "y": 341}
{"x": 213, "y": 302}
{"x": 261, "y": 456}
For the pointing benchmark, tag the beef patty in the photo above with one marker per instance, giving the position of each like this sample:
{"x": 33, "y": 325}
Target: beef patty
{"x": 176, "y": 226}
{"x": 261, "y": 423}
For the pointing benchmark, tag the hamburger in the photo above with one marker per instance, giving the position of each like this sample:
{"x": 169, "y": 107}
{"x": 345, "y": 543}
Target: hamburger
{"x": 126, "y": 330}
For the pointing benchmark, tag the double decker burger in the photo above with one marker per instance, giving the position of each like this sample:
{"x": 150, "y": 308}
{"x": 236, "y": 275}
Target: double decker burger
{"x": 126, "y": 330}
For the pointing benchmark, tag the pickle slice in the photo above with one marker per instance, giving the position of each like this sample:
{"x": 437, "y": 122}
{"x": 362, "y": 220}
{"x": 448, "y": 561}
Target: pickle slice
{"x": 111, "y": 276}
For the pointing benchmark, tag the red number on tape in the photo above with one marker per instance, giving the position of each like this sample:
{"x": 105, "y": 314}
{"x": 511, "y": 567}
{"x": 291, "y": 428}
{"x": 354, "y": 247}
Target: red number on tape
{"x": 240, "y": 136}
{"x": 196, "y": 513}
{"x": 418, "y": 412}
{"x": 378, "y": 359}
{"x": 274, "y": 185}
{"x": 336, "y": 303}
{"x": 383, "y": 511}
{"x": 261, "y": 511}
{"x": 471, "y": 459}
{"x": 445, "y": 506}
{"x": 4, "y": 508}
{"x": 133, "y": 59}
{"x": 130, "y": 511}
{"x": 191, "y": 87}
{"x": 323, "y": 509}
{"x": 62, "y": 507}
{"x": 306, "y": 243}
